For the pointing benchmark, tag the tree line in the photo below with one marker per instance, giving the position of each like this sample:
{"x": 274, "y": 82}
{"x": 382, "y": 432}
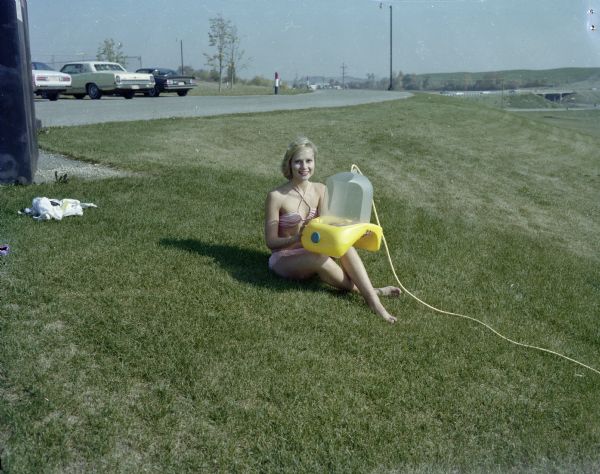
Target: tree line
{"x": 224, "y": 62}
{"x": 227, "y": 58}
{"x": 424, "y": 82}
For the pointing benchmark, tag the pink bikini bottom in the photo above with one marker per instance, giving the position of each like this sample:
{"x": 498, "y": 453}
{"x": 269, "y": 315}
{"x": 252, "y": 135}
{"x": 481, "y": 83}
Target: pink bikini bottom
{"x": 278, "y": 255}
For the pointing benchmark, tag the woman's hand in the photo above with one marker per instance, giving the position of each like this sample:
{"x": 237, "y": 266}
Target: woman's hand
{"x": 301, "y": 230}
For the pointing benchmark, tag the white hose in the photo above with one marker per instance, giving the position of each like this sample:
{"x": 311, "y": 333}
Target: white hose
{"x": 356, "y": 169}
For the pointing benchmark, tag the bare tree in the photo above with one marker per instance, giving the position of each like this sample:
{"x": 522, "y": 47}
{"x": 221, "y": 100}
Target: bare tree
{"x": 110, "y": 50}
{"x": 236, "y": 56}
{"x": 219, "y": 36}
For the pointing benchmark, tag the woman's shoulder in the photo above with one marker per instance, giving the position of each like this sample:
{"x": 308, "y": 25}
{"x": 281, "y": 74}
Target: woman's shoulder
{"x": 281, "y": 189}
{"x": 320, "y": 188}
{"x": 279, "y": 192}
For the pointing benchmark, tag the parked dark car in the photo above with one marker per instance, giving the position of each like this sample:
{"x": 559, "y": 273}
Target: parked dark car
{"x": 167, "y": 80}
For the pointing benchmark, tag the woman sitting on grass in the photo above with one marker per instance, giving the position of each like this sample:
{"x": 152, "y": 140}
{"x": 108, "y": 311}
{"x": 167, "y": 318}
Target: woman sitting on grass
{"x": 289, "y": 208}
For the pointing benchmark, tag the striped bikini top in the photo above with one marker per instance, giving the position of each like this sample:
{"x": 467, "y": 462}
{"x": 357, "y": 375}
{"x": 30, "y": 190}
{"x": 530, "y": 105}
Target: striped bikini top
{"x": 292, "y": 219}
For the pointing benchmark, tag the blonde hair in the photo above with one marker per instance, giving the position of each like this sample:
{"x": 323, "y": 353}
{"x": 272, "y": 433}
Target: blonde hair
{"x": 292, "y": 150}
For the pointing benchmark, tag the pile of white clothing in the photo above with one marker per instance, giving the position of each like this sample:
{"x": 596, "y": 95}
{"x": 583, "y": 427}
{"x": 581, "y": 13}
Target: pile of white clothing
{"x": 44, "y": 209}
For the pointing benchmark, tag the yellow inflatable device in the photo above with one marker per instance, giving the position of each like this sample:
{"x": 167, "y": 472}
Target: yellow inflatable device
{"x": 345, "y": 219}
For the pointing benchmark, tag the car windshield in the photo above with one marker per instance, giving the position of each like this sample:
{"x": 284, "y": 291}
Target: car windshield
{"x": 108, "y": 67}
{"x": 41, "y": 66}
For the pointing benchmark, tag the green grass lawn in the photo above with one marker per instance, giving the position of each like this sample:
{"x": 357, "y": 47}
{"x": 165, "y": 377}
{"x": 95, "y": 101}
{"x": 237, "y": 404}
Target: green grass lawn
{"x": 584, "y": 121}
{"x": 149, "y": 335}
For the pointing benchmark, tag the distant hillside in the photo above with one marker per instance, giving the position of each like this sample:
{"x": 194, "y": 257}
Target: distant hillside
{"x": 490, "y": 80}
{"x": 512, "y": 79}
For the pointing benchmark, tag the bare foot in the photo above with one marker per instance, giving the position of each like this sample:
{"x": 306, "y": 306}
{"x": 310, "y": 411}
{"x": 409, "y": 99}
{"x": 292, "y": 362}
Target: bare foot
{"x": 387, "y": 316}
{"x": 388, "y": 291}
{"x": 381, "y": 311}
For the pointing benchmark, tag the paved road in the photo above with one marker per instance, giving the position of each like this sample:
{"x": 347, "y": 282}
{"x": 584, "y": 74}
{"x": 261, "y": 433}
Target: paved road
{"x": 111, "y": 109}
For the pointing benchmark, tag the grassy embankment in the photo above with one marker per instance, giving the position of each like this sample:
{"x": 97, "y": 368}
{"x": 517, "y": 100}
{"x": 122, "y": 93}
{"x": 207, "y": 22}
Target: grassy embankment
{"x": 149, "y": 334}
{"x": 560, "y": 77}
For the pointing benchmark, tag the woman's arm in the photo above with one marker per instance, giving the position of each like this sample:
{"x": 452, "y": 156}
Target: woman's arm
{"x": 272, "y": 238}
{"x": 322, "y": 189}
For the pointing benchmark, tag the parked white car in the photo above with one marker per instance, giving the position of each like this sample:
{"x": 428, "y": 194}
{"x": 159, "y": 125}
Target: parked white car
{"x": 96, "y": 78}
{"x": 48, "y": 83}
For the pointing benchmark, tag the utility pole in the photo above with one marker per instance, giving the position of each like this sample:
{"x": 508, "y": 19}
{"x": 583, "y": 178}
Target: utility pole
{"x": 344, "y": 75}
{"x": 391, "y": 87}
{"x": 181, "y": 49}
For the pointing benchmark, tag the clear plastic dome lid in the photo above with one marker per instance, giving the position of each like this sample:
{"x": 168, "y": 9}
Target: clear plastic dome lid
{"x": 348, "y": 198}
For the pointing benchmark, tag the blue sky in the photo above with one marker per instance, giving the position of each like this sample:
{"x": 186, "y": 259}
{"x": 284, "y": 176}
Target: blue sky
{"x": 315, "y": 37}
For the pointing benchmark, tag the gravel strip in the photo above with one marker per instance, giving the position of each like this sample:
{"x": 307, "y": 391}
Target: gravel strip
{"x": 50, "y": 166}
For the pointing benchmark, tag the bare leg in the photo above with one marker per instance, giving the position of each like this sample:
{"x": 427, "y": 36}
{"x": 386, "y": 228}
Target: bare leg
{"x": 353, "y": 276}
{"x": 353, "y": 266}
{"x": 307, "y": 265}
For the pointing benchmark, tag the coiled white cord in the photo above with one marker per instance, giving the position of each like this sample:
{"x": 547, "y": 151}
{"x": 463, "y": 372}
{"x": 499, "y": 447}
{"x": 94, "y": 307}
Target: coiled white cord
{"x": 356, "y": 169}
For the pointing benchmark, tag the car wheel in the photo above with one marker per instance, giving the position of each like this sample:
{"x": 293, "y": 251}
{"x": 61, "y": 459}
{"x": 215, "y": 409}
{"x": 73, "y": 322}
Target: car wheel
{"x": 52, "y": 96}
{"x": 182, "y": 93}
{"x": 128, "y": 94}
{"x": 94, "y": 91}
{"x": 154, "y": 92}
{"x": 79, "y": 96}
